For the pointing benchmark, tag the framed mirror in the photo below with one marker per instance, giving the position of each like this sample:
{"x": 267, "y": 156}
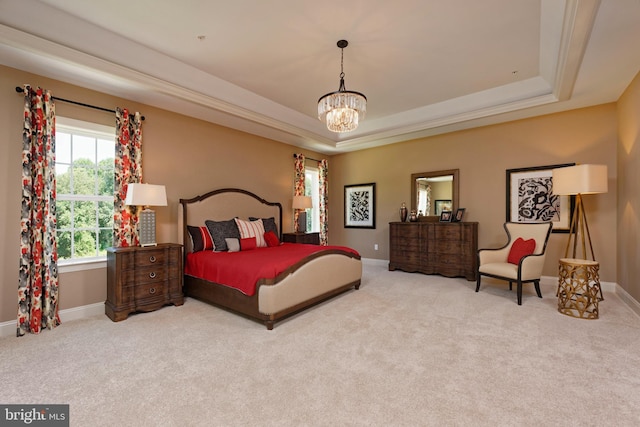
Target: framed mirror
{"x": 435, "y": 191}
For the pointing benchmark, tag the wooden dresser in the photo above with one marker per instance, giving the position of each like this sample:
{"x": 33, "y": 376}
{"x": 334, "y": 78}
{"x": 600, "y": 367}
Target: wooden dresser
{"x": 143, "y": 279}
{"x": 446, "y": 248}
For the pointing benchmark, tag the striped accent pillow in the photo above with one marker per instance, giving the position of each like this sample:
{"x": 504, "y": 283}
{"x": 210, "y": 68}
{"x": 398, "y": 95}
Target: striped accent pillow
{"x": 252, "y": 229}
{"x": 200, "y": 238}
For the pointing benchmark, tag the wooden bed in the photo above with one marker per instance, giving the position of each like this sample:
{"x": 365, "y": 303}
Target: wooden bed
{"x": 314, "y": 279}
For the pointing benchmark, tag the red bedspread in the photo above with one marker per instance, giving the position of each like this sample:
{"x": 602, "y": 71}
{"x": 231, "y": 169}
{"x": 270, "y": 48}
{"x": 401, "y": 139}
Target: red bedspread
{"x": 242, "y": 270}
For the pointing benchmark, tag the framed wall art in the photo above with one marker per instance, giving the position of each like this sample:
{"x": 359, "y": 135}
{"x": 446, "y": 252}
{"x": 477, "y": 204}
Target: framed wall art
{"x": 530, "y": 198}
{"x": 442, "y": 205}
{"x": 360, "y": 206}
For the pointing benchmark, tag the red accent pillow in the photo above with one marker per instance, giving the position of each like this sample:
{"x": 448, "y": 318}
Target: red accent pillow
{"x": 200, "y": 238}
{"x": 521, "y": 248}
{"x": 271, "y": 239}
{"x": 248, "y": 244}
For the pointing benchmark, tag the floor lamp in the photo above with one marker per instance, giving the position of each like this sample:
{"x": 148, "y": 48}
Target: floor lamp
{"x": 579, "y": 180}
{"x": 146, "y": 195}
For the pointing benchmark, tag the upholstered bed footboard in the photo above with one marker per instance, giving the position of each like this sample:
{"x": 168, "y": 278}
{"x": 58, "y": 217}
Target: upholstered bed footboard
{"x": 318, "y": 277}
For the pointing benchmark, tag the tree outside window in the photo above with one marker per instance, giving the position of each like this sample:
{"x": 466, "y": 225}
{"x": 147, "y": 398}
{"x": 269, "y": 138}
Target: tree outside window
{"x": 85, "y": 155}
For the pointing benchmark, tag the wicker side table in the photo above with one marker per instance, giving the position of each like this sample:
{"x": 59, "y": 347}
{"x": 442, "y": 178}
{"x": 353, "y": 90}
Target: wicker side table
{"x": 578, "y": 288}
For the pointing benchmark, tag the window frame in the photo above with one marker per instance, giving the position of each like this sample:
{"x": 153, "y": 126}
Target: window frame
{"x": 95, "y": 131}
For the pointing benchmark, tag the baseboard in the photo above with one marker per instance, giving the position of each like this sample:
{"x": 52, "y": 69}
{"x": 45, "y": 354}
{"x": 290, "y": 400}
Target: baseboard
{"x": 606, "y": 286}
{"x": 9, "y": 328}
{"x": 628, "y": 299}
{"x": 375, "y": 261}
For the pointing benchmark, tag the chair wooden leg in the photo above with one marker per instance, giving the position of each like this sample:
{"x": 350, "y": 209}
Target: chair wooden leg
{"x": 519, "y": 292}
{"x": 510, "y": 285}
{"x": 478, "y": 282}
{"x": 536, "y": 283}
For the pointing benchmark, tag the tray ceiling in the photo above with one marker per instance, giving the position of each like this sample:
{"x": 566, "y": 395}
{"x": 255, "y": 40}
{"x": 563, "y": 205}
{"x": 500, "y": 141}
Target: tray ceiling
{"x": 426, "y": 67}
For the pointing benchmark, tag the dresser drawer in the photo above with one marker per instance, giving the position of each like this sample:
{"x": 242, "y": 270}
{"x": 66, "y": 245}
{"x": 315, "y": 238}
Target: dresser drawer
{"x": 448, "y": 232}
{"x": 404, "y": 231}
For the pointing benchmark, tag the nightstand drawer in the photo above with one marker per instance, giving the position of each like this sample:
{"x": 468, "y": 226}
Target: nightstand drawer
{"x": 150, "y": 290}
{"x": 145, "y": 258}
{"x": 150, "y": 258}
{"x": 146, "y": 275}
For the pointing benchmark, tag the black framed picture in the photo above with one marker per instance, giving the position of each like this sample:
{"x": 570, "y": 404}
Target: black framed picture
{"x": 360, "y": 206}
{"x": 459, "y": 214}
{"x": 442, "y": 205}
{"x": 530, "y": 198}
{"x": 445, "y": 216}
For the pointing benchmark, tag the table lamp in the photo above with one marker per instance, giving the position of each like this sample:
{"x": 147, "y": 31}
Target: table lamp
{"x": 300, "y": 204}
{"x": 579, "y": 180}
{"x": 146, "y": 195}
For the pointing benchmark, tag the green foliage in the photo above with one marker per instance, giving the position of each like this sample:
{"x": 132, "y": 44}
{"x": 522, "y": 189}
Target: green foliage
{"x": 64, "y": 244}
{"x": 82, "y": 178}
{"x": 84, "y": 244}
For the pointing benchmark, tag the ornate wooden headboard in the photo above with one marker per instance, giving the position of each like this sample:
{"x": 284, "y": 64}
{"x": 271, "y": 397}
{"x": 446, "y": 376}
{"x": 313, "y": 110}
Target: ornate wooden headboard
{"x": 221, "y": 205}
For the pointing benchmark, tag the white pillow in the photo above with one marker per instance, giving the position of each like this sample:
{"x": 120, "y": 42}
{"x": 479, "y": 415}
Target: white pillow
{"x": 252, "y": 229}
{"x": 233, "y": 244}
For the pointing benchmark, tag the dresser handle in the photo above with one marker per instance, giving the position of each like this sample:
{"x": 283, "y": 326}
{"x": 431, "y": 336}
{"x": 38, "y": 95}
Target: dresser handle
{"x": 152, "y": 290}
{"x": 152, "y": 275}
{"x": 152, "y": 258}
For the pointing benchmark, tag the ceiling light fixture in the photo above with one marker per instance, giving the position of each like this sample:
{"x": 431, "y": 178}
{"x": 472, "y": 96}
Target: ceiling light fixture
{"x": 343, "y": 109}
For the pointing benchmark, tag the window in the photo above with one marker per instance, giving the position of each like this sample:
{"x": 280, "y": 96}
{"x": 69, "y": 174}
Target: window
{"x": 312, "y": 188}
{"x": 85, "y": 155}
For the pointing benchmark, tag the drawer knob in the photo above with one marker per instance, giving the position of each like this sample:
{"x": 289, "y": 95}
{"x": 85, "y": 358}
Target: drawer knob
{"x": 152, "y": 258}
{"x": 152, "y": 275}
{"x": 152, "y": 290}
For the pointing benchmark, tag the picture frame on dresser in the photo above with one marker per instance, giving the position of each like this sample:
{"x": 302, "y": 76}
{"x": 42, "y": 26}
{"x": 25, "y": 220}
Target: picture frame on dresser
{"x": 459, "y": 214}
{"x": 360, "y": 206}
{"x": 530, "y": 198}
{"x": 445, "y": 216}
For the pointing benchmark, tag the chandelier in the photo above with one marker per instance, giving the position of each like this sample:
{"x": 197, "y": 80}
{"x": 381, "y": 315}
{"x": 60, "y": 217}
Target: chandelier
{"x": 343, "y": 109}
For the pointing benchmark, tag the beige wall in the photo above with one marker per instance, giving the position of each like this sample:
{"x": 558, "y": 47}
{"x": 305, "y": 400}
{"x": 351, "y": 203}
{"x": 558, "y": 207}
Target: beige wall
{"x": 188, "y": 156}
{"x": 483, "y": 155}
{"x": 628, "y": 232}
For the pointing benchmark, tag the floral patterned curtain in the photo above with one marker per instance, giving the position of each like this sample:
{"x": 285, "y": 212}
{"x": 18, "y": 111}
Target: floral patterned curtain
{"x": 128, "y": 169}
{"x": 38, "y": 281}
{"x": 298, "y": 181}
{"x": 323, "y": 171}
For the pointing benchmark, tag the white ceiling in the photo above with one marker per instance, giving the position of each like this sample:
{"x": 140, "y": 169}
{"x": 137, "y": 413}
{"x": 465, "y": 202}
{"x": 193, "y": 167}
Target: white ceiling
{"x": 426, "y": 66}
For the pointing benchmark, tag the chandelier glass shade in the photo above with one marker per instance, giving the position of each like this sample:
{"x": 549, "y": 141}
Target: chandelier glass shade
{"x": 342, "y": 110}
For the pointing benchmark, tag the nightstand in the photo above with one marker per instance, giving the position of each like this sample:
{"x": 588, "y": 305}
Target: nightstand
{"x": 143, "y": 279}
{"x": 309, "y": 238}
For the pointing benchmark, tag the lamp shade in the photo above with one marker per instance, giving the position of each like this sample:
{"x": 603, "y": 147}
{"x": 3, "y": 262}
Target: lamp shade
{"x": 302, "y": 202}
{"x": 146, "y": 195}
{"x": 580, "y": 179}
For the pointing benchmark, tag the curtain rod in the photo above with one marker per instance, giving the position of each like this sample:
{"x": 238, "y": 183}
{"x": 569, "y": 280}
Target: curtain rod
{"x": 295, "y": 156}
{"x": 82, "y": 104}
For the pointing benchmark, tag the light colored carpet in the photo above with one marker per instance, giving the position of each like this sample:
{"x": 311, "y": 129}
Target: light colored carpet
{"x": 404, "y": 350}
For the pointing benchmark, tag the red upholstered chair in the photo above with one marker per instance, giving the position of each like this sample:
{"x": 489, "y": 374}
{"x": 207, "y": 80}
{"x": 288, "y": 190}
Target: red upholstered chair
{"x": 522, "y": 266}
